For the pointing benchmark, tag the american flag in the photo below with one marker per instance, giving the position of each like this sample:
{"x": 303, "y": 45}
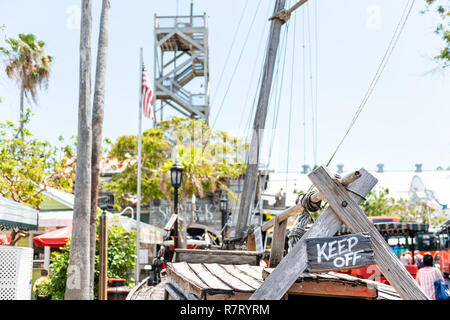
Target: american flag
{"x": 147, "y": 96}
{"x": 433, "y": 204}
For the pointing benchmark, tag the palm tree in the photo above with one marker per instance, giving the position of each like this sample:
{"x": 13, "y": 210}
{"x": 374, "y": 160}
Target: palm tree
{"x": 29, "y": 66}
{"x": 78, "y": 272}
{"x": 97, "y": 123}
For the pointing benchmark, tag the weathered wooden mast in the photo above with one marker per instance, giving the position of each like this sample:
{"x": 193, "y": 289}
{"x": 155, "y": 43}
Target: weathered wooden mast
{"x": 280, "y": 16}
{"x": 259, "y": 123}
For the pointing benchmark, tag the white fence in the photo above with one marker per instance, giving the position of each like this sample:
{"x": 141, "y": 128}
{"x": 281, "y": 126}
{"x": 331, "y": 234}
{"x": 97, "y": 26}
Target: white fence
{"x": 16, "y": 268}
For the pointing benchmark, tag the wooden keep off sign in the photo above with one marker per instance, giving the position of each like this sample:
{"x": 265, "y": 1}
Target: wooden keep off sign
{"x": 343, "y": 208}
{"x": 339, "y": 253}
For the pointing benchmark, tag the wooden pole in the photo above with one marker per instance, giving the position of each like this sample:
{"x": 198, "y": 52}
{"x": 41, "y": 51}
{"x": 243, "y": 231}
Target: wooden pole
{"x": 138, "y": 205}
{"x": 103, "y": 259}
{"x": 259, "y": 123}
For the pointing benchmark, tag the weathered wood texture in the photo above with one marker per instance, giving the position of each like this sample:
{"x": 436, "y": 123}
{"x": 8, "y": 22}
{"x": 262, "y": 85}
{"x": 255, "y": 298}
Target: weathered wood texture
{"x": 334, "y": 289}
{"x": 339, "y": 253}
{"x": 244, "y": 279}
{"x": 215, "y": 281}
{"x": 295, "y": 262}
{"x": 251, "y": 244}
{"x": 259, "y": 243}
{"x": 354, "y": 218}
{"x": 218, "y": 256}
{"x": 171, "y": 222}
{"x": 176, "y": 291}
{"x": 259, "y": 123}
{"x": 277, "y": 245}
{"x": 143, "y": 291}
{"x": 334, "y": 284}
{"x": 292, "y": 211}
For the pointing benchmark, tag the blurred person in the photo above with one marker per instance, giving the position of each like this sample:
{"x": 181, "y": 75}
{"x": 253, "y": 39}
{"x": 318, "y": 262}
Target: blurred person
{"x": 405, "y": 258}
{"x": 42, "y": 287}
{"x": 427, "y": 275}
{"x": 417, "y": 257}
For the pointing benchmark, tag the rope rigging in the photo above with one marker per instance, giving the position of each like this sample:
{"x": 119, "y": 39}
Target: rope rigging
{"x": 290, "y": 105}
{"x": 305, "y": 215}
{"x": 251, "y": 110}
{"x": 237, "y": 64}
{"x": 229, "y": 51}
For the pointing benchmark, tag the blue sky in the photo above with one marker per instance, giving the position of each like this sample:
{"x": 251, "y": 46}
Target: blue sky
{"x": 404, "y": 122}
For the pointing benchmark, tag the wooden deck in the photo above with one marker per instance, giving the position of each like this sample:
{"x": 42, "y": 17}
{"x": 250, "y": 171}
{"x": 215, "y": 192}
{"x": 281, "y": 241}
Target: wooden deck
{"x": 212, "y": 281}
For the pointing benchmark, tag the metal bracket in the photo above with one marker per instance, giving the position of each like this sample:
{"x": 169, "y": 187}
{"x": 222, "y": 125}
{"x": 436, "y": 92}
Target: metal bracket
{"x": 283, "y": 16}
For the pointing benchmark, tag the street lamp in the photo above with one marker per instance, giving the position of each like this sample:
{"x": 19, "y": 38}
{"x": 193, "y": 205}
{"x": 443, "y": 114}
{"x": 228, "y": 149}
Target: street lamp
{"x": 224, "y": 209}
{"x": 176, "y": 173}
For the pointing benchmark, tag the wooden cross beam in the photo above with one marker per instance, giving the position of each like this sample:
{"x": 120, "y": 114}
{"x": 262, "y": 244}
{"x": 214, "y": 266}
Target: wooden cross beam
{"x": 285, "y": 15}
{"x": 343, "y": 206}
{"x": 294, "y": 263}
{"x": 354, "y": 218}
{"x": 279, "y": 223}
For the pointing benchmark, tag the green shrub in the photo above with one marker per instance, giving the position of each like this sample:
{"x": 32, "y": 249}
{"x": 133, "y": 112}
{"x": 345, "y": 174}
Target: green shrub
{"x": 121, "y": 261}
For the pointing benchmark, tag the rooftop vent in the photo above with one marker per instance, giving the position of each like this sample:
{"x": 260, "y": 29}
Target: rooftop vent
{"x": 380, "y": 167}
{"x": 418, "y": 167}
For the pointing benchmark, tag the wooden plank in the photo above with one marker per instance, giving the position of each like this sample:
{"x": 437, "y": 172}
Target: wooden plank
{"x": 251, "y": 244}
{"x": 220, "y": 252}
{"x": 330, "y": 284}
{"x": 181, "y": 274}
{"x": 284, "y": 215}
{"x": 339, "y": 253}
{"x": 295, "y": 262}
{"x": 178, "y": 292}
{"x": 278, "y": 241}
{"x": 234, "y": 296}
{"x": 229, "y": 279}
{"x": 385, "y": 292}
{"x": 170, "y": 223}
{"x": 259, "y": 240}
{"x": 252, "y": 271}
{"x": 173, "y": 292}
{"x": 166, "y": 293}
{"x": 248, "y": 280}
{"x": 213, "y": 283}
{"x": 333, "y": 289}
{"x": 354, "y": 218}
{"x": 218, "y": 256}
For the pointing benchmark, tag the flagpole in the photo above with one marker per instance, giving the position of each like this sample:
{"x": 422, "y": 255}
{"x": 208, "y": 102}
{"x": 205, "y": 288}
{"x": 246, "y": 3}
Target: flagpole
{"x": 138, "y": 208}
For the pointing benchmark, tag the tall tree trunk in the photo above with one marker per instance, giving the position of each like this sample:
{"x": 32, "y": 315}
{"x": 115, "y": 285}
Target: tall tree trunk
{"x": 97, "y": 124}
{"x": 78, "y": 272}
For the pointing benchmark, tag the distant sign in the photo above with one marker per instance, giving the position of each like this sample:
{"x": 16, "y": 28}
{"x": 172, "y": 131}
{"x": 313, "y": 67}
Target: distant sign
{"x": 339, "y": 253}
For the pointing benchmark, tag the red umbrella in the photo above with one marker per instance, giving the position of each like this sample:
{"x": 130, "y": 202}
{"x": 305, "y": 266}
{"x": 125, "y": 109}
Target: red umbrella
{"x": 57, "y": 238}
{"x": 4, "y": 239}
